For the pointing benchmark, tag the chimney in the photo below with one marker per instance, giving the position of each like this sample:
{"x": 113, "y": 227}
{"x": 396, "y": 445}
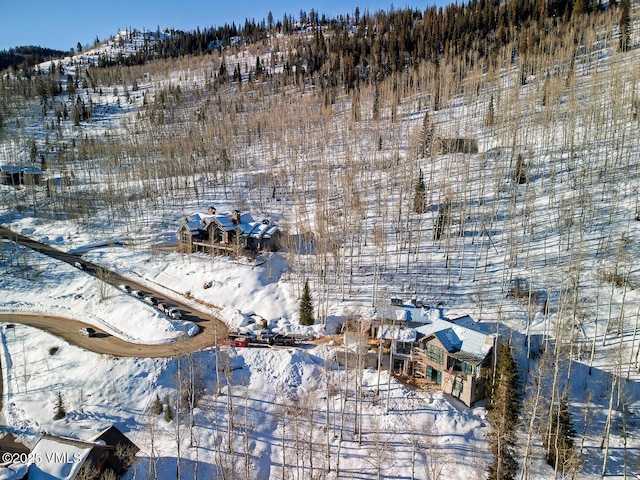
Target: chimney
{"x": 212, "y": 210}
{"x": 235, "y": 217}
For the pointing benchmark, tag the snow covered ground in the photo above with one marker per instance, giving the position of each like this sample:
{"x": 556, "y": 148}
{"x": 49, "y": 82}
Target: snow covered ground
{"x": 572, "y": 225}
{"x": 66, "y": 291}
{"x": 262, "y": 388}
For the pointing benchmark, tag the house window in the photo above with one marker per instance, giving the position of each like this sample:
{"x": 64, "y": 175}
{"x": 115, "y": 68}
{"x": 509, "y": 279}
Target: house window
{"x": 459, "y": 366}
{"x": 457, "y": 387}
{"x": 434, "y": 375}
{"x": 185, "y": 236}
{"x": 435, "y": 354}
{"x": 404, "y": 348}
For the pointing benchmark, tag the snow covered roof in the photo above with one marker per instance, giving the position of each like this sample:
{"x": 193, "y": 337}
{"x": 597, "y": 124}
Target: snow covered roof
{"x": 194, "y": 222}
{"x": 407, "y": 313}
{"x": 226, "y": 223}
{"x": 400, "y": 334}
{"x": 248, "y": 226}
{"x": 15, "y": 471}
{"x": 14, "y": 169}
{"x": 58, "y": 458}
{"x": 259, "y": 229}
{"x": 457, "y": 338}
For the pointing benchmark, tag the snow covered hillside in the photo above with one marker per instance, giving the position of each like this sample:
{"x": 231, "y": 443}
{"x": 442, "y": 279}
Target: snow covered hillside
{"x": 516, "y": 202}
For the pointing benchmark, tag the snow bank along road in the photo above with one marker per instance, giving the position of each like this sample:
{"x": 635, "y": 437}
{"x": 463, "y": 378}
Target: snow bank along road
{"x": 212, "y": 328}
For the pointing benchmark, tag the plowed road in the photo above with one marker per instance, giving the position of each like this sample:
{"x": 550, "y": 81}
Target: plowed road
{"x": 212, "y": 328}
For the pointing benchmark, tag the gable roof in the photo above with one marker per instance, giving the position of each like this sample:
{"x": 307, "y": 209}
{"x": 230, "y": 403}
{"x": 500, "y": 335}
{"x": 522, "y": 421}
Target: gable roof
{"x": 225, "y": 221}
{"x": 407, "y": 313}
{"x": 195, "y": 222}
{"x": 394, "y": 332}
{"x": 114, "y": 438}
{"x": 59, "y": 458}
{"x": 248, "y": 227}
{"x": 464, "y": 343}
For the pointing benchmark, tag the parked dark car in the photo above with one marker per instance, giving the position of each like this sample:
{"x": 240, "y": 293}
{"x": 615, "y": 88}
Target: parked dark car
{"x": 281, "y": 340}
{"x": 88, "y": 332}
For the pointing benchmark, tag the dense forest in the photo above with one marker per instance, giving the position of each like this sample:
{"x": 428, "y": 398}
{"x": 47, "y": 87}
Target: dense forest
{"x": 362, "y": 47}
{"x": 28, "y": 56}
{"x": 348, "y": 50}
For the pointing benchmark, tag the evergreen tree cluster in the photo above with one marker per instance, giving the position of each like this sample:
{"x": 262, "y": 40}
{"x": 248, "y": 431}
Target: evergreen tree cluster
{"x": 503, "y": 412}
{"x": 353, "y": 51}
{"x": 348, "y": 50}
{"x": 27, "y": 56}
{"x": 560, "y": 441}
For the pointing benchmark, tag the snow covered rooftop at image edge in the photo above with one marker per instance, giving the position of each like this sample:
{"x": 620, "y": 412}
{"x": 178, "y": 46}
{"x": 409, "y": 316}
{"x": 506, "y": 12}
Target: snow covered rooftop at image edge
{"x": 457, "y": 338}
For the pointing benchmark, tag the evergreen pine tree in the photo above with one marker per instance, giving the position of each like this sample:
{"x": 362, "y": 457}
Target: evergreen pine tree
{"x": 306, "y": 306}
{"x": 376, "y": 102}
{"x": 503, "y": 412}
{"x": 427, "y": 135}
{"x": 560, "y": 447}
{"x": 157, "y": 407}
{"x": 490, "y": 118}
{"x": 168, "y": 411}
{"x": 443, "y": 219}
{"x": 520, "y": 173}
{"x": 419, "y": 199}
{"x": 625, "y": 24}
{"x": 61, "y": 411}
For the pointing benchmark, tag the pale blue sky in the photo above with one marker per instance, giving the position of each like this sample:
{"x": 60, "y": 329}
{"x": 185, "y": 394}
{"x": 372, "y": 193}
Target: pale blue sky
{"x": 61, "y": 24}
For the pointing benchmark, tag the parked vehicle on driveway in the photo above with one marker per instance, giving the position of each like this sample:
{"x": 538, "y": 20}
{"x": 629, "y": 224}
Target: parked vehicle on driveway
{"x": 162, "y": 307}
{"x": 79, "y": 265}
{"x": 125, "y": 288}
{"x": 173, "y": 313}
{"x": 137, "y": 294}
{"x": 238, "y": 341}
{"x": 88, "y": 332}
{"x": 151, "y": 300}
{"x": 281, "y": 340}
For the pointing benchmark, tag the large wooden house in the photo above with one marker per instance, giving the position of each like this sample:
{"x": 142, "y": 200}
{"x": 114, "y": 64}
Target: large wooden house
{"x": 454, "y": 355}
{"x": 228, "y": 233}
{"x": 456, "y": 358}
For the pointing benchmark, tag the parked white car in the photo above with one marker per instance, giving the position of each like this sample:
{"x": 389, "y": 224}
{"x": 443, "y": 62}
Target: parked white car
{"x": 173, "y": 313}
{"x": 151, "y": 300}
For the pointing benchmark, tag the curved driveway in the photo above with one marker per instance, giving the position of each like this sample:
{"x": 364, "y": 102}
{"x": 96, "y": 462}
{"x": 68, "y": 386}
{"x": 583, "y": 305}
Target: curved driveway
{"x": 211, "y": 327}
{"x": 109, "y": 344}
